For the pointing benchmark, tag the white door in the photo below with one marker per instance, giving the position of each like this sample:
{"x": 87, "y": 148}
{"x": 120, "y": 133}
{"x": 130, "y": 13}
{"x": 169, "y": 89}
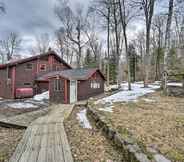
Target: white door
{"x": 73, "y": 91}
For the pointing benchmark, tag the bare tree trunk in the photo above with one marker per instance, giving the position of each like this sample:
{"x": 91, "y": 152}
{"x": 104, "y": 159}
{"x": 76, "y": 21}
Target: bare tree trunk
{"x": 108, "y": 46}
{"x": 124, "y": 25}
{"x": 117, "y": 39}
{"x": 168, "y": 35}
{"x": 148, "y": 15}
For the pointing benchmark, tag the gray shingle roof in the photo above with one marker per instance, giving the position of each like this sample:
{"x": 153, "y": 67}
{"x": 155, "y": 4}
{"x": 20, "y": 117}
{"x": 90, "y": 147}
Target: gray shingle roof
{"x": 73, "y": 74}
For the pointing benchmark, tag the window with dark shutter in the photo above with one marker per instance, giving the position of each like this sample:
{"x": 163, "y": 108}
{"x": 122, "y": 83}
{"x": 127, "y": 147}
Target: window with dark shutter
{"x": 29, "y": 66}
{"x": 43, "y": 67}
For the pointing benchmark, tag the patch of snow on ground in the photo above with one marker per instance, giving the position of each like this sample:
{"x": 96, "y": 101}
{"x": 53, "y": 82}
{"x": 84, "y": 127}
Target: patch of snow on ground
{"x": 175, "y": 84}
{"x": 41, "y": 97}
{"x": 82, "y": 117}
{"x": 107, "y": 109}
{"x": 22, "y": 105}
{"x": 125, "y": 95}
{"x": 148, "y": 100}
{"x": 110, "y": 87}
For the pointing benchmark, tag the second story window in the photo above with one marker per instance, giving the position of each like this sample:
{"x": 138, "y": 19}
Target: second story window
{"x": 43, "y": 67}
{"x": 29, "y": 66}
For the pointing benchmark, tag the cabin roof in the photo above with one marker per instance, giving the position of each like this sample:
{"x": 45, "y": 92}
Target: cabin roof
{"x": 73, "y": 74}
{"x": 21, "y": 61}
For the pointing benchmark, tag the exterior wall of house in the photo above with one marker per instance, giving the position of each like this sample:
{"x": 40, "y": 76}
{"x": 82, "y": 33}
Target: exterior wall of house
{"x": 5, "y": 83}
{"x": 84, "y": 87}
{"x": 25, "y": 78}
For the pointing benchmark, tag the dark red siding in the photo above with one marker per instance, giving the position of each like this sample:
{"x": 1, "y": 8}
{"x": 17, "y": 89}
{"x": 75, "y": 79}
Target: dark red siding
{"x": 84, "y": 90}
{"x": 24, "y": 76}
{"x": 5, "y": 85}
{"x": 84, "y": 87}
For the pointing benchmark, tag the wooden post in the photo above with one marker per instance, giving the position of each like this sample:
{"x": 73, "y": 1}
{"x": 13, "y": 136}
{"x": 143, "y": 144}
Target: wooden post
{"x": 183, "y": 80}
{"x": 164, "y": 80}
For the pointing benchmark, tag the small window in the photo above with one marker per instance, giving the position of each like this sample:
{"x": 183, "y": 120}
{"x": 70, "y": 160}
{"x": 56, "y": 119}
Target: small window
{"x": 29, "y": 66}
{"x": 43, "y": 67}
{"x": 95, "y": 85}
{"x": 27, "y": 84}
{"x": 57, "y": 85}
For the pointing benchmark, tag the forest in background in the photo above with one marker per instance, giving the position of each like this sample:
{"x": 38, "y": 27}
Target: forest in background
{"x": 102, "y": 36}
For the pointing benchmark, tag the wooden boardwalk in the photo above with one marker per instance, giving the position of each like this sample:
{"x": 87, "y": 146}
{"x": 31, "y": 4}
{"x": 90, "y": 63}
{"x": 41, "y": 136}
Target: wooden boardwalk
{"x": 45, "y": 139}
{"x": 23, "y": 120}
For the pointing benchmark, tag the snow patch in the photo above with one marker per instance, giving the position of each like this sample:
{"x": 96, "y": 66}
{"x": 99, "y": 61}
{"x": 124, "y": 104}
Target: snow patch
{"x": 160, "y": 158}
{"x": 21, "y": 105}
{"x": 148, "y": 100}
{"x": 82, "y": 117}
{"x": 41, "y": 97}
{"x": 125, "y": 95}
{"x": 175, "y": 84}
{"x": 107, "y": 109}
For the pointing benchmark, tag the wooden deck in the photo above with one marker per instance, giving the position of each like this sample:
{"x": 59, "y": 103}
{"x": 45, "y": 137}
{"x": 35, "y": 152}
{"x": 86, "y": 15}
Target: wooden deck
{"x": 23, "y": 120}
{"x": 45, "y": 139}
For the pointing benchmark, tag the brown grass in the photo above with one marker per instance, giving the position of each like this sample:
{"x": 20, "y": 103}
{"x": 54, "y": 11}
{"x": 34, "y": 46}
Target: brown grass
{"x": 9, "y": 139}
{"x": 89, "y": 145}
{"x": 158, "y": 124}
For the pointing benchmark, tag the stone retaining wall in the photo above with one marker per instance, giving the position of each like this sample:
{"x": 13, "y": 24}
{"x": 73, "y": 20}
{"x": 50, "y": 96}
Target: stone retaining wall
{"x": 131, "y": 150}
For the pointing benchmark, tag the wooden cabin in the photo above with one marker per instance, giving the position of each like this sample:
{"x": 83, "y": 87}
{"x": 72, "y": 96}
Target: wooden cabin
{"x": 69, "y": 86}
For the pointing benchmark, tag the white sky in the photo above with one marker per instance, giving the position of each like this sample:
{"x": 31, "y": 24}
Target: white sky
{"x": 31, "y": 18}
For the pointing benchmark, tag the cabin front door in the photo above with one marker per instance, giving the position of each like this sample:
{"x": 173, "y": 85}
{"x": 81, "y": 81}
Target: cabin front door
{"x": 73, "y": 91}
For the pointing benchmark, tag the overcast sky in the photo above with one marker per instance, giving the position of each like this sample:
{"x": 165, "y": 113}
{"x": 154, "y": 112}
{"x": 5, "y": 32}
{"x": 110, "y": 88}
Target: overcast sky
{"x": 30, "y": 18}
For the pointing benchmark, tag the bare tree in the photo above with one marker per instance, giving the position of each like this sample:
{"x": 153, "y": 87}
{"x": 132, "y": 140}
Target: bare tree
{"x": 126, "y": 15}
{"x": 10, "y": 45}
{"x": 148, "y": 9}
{"x": 60, "y": 41}
{"x": 103, "y": 9}
{"x": 158, "y": 29}
{"x": 42, "y": 43}
{"x": 74, "y": 24}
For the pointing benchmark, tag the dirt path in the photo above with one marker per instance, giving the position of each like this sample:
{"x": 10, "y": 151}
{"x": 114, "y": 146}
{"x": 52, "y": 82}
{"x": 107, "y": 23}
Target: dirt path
{"x": 89, "y": 144}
